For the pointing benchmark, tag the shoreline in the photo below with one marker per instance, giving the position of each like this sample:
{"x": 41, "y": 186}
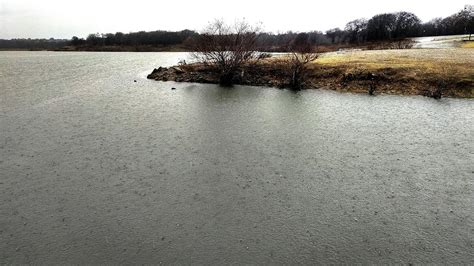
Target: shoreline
{"x": 271, "y": 74}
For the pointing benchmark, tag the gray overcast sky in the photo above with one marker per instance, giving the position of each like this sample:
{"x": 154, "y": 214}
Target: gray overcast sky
{"x": 63, "y": 18}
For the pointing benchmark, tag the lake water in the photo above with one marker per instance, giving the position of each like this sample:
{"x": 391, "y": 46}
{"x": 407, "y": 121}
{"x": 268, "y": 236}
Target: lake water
{"x": 97, "y": 168}
{"x": 436, "y": 42}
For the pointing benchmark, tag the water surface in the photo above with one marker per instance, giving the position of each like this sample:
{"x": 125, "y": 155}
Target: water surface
{"x": 97, "y": 168}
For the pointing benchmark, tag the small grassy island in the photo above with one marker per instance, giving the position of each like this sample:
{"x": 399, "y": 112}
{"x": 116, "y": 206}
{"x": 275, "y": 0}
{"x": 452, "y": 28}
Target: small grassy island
{"x": 231, "y": 54}
{"x": 428, "y": 72}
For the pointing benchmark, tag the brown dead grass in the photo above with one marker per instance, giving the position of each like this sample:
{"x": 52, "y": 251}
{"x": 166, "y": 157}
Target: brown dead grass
{"x": 421, "y": 59}
{"x": 468, "y": 44}
{"x": 426, "y": 67}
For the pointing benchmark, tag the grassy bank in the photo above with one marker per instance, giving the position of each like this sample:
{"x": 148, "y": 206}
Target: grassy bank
{"x": 405, "y": 72}
{"x": 408, "y": 71}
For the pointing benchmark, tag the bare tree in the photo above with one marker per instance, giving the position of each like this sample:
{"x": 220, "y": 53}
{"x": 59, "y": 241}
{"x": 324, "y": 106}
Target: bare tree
{"x": 335, "y": 35}
{"x": 226, "y": 47}
{"x": 468, "y": 16}
{"x": 381, "y": 27}
{"x": 406, "y": 25}
{"x": 302, "y": 53}
{"x": 357, "y": 30}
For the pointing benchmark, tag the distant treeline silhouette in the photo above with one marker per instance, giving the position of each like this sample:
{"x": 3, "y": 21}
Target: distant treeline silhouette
{"x": 164, "y": 38}
{"x": 381, "y": 27}
{"x": 33, "y": 44}
{"x": 399, "y": 25}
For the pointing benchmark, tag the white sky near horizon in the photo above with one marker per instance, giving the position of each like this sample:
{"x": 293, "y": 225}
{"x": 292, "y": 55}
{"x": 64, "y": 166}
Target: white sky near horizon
{"x": 64, "y": 18}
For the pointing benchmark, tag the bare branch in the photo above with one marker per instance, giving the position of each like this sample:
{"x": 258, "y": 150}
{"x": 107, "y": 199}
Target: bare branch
{"x": 302, "y": 52}
{"x": 227, "y": 47}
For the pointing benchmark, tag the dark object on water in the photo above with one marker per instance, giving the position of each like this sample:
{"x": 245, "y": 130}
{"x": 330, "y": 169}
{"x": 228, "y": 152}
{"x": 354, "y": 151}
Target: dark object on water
{"x": 373, "y": 78}
{"x": 371, "y": 89}
{"x": 437, "y": 93}
{"x": 173, "y": 88}
{"x": 135, "y": 80}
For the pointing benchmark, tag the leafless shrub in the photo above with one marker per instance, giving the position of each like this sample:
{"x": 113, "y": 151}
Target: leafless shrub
{"x": 302, "y": 53}
{"x": 226, "y": 47}
{"x": 404, "y": 44}
{"x": 264, "y": 55}
{"x": 387, "y": 45}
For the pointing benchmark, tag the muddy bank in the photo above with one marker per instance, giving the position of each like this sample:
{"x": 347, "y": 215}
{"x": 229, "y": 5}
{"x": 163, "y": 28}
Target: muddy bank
{"x": 274, "y": 74}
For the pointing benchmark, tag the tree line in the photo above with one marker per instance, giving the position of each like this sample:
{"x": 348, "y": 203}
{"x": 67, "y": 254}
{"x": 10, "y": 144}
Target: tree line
{"x": 400, "y": 25}
{"x": 381, "y": 27}
{"x": 33, "y": 44}
{"x": 164, "y": 38}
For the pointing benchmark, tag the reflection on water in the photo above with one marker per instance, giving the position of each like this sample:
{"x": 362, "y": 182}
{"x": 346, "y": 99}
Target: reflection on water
{"x": 96, "y": 168}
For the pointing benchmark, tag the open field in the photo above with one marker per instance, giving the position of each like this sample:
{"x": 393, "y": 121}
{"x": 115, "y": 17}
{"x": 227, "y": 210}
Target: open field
{"x": 459, "y": 62}
{"x": 408, "y": 67}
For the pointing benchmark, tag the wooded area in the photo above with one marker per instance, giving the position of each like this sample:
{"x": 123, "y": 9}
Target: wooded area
{"x": 381, "y": 27}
